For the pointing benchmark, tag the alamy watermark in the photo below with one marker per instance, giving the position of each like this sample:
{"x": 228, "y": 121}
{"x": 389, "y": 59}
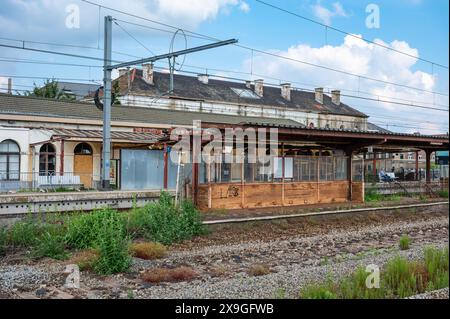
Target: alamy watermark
{"x": 73, "y": 16}
{"x": 373, "y": 19}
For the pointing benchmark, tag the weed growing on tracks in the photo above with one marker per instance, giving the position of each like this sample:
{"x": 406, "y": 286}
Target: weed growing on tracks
{"x": 85, "y": 259}
{"x": 258, "y": 270}
{"x": 404, "y": 242}
{"x": 148, "y": 250}
{"x": 3, "y": 240}
{"x": 399, "y": 278}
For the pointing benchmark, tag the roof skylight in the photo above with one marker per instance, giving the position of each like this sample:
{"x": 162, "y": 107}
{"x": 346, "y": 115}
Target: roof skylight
{"x": 244, "y": 93}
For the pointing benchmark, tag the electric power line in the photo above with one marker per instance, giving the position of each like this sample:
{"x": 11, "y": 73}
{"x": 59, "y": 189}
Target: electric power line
{"x": 269, "y": 53}
{"x": 350, "y": 34}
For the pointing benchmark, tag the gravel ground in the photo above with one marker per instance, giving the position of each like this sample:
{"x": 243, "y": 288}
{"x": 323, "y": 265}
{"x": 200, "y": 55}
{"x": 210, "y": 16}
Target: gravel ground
{"x": 293, "y": 260}
{"x": 437, "y": 294}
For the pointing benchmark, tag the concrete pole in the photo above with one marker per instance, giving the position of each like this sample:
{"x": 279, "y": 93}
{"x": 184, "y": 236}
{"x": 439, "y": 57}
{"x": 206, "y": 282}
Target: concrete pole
{"x": 106, "y": 152}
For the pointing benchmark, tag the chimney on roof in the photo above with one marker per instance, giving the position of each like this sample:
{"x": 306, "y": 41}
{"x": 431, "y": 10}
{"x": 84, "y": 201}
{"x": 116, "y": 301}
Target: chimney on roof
{"x": 203, "y": 78}
{"x": 259, "y": 87}
{"x": 319, "y": 95}
{"x": 147, "y": 73}
{"x": 286, "y": 91}
{"x": 336, "y": 97}
{"x": 248, "y": 84}
{"x": 123, "y": 71}
{"x": 9, "y": 86}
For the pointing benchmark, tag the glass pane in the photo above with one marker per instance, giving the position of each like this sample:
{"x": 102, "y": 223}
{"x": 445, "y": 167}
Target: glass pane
{"x": 9, "y": 147}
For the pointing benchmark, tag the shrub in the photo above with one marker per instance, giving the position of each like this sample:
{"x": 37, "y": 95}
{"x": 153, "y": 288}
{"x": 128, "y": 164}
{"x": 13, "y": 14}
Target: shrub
{"x": 164, "y": 222}
{"x": 148, "y": 250}
{"x": 83, "y": 230}
{"x": 400, "y": 277}
{"x": 24, "y": 233}
{"x": 258, "y": 270}
{"x": 85, "y": 259}
{"x": 178, "y": 274}
{"x": 112, "y": 245}
{"x": 50, "y": 245}
{"x": 404, "y": 242}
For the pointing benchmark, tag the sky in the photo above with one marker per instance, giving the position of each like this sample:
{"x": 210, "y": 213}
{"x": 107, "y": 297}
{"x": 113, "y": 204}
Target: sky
{"x": 417, "y": 28}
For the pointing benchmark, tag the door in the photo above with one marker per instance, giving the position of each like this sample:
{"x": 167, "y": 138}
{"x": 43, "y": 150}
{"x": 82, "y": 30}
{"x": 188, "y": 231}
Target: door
{"x": 83, "y": 164}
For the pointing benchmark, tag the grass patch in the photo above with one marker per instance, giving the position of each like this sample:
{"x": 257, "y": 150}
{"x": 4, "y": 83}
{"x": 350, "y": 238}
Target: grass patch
{"x": 164, "y": 222}
{"x": 108, "y": 232}
{"x": 158, "y": 275}
{"x": 404, "y": 242}
{"x": 148, "y": 250}
{"x": 399, "y": 278}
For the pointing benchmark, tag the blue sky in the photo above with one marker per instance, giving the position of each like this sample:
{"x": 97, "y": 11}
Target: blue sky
{"x": 419, "y": 27}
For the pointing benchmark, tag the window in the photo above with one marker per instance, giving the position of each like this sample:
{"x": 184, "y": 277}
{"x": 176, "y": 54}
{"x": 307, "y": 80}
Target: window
{"x": 244, "y": 93}
{"x": 9, "y": 161}
{"x": 83, "y": 149}
{"x": 47, "y": 160}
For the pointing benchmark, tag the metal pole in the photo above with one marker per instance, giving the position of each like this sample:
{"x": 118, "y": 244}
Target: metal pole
{"x": 107, "y": 104}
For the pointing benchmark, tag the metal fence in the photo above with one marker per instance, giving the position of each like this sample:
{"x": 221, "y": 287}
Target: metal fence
{"x": 296, "y": 169}
{"x": 35, "y": 181}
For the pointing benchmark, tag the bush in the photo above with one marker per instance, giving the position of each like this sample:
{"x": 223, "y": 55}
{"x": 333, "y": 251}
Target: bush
{"x": 24, "y": 233}
{"x": 164, "y": 222}
{"x": 148, "y": 250}
{"x": 83, "y": 230}
{"x": 404, "y": 242}
{"x": 178, "y": 274}
{"x": 112, "y": 245}
{"x": 50, "y": 245}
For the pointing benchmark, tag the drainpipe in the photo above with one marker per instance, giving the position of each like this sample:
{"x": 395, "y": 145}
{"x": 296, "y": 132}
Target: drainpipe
{"x": 61, "y": 159}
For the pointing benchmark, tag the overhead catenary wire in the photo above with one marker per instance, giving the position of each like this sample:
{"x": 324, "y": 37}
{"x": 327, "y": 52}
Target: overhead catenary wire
{"x": 377, "y": 99}
{"x": 350, "y": 34}
{"x": 270, "y": 53}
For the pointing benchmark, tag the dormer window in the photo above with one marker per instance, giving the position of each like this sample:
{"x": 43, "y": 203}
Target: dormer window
{"x": 245, "y": 93}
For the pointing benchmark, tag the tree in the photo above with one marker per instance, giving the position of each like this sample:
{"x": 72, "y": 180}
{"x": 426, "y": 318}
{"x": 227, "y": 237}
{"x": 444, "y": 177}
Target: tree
{"x": 50, "y": 90}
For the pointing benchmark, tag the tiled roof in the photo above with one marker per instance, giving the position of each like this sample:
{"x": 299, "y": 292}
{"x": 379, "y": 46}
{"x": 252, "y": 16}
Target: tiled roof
{"x": 33, "y": 106}
{"x": 222, "y": 91}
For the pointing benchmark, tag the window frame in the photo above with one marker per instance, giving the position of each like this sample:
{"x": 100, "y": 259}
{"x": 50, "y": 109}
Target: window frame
{"x": 8, "y": 156}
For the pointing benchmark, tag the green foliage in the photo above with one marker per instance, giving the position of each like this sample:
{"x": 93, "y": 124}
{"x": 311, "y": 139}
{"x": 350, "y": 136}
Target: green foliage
{"x": 319, "y": 291}
{"x": 50, "y": 244}
{"x": 164, "y": 222}
{"x": 50, "y": 90}
{"x": 436, "y": 263}
{"x": 400, "y": 278}
{"x": 24, "y": 233}
{"x": 443, "y": 193}
{"x": 404, "y": 242}
{"x": 112, "y": 245}
{"x": 3, "y": 240}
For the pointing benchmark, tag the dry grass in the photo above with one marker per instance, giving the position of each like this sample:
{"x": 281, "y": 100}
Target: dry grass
{"x": 85, "y": 259}
{"x": 158, "y": 275}
{"x": 148, "y": 250}
{"x": 218, "y": 271}
{"x": 258, "y": 270}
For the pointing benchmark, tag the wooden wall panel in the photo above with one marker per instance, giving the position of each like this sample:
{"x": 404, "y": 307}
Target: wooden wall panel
{"x": 358, "y": 192}
{"x": 237, "y": 196}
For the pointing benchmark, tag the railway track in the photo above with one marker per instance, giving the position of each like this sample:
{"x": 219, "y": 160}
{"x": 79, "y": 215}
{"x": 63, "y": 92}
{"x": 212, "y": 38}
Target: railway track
{"x": 330, "y": 212}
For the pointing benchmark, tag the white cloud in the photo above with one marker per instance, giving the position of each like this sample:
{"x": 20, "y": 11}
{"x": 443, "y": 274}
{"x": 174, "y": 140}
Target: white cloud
{"x": 365, "y": 59}
{"x": 244, "y": 7}
{"x": 325, "y": 15}
{"x": 23, "y": 18}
